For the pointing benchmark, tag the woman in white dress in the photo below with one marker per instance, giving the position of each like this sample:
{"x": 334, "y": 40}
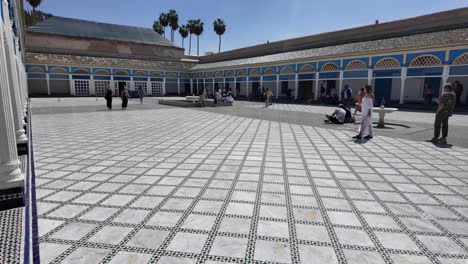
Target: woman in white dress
{"x": 367, "y": 105}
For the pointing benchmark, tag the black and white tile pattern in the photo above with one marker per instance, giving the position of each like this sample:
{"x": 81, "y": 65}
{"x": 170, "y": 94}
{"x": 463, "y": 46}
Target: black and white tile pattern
{"x": 172, "y": 185}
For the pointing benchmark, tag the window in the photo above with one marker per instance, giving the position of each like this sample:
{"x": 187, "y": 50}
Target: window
{"x": 142, "y": 85}
{"x": 81, "y": 88}
{"x": 156, "y": 89}
{"x": 100, "y": 87}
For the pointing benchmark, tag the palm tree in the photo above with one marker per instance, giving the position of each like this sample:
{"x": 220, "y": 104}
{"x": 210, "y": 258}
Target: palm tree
{"x": 173, "y": 18}
{"x": 158, "y": 28}
{"x": 164, "y": 21}
{"x": 191, "y": 28}
{"x": 219, "y": 27}
{"x": 34, "y": 4}
{"x": 184, "y": 32}
{"x": 198, "y": 30}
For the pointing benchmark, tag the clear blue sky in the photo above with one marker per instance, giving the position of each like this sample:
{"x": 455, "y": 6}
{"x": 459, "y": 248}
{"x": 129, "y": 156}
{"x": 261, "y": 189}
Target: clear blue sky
{"x": 250, "y": 22}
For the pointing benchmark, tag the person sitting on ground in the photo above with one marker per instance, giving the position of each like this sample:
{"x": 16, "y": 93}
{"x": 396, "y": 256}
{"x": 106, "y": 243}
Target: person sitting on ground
{"x": 229, "y": 99}
{"x": 338, "y": 116}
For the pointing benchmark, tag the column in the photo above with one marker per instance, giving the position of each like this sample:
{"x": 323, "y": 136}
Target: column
{"x": 149, "y": 90}
{"x": 277, "y": 86}
{"x": 261, "y": 81}
{"x": 247, "y": 87}
{"x": 164, "y": 87}
{"x": 213, "y": 88}
{"x": 403, "y": 82}
{"x": 191, "y": 86}
{"x": 445, "y": 75}
{"x": 369, "y": 76}
{"x": 224, "y": 83}
{"x": 178, "y": 86}
{"x": 316, "y": 86}
{"x": 10, "y": 173}
{"x": 14, "y": 87}
{"x": 296, "y": 86}
{"x": 48, "y": 84}
{"x": 340, "y": 85}
{"x": 72, "y": 86}
{"x": 92, "y": 86}
{"x": 234, "y": 88}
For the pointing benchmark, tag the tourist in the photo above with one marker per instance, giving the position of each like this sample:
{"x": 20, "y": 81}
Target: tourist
{"x": 458, "y": 91}
{"x": 367, "y": 105}
{"x": 346, "y": 95}
{"x": 338, "y": 116}
{"x": 108, "y": 97}
{"x": 218, "y": 97}
{"x": 322, "y": 93}
{"x": 141, "y": 94}
{"x": 428, "y": 93}
{"x": 268, "y": 95}
{"x": 201, "y": 99}
{"x": 229, "y": 99}
{"x": 124, "y": 97}
{"x": 444, "y": 111}
{"x": 359, "y": 97}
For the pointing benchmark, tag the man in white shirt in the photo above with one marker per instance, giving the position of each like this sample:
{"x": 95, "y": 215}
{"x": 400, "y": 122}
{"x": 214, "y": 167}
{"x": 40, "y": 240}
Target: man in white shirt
{"x": 338, "y": 116}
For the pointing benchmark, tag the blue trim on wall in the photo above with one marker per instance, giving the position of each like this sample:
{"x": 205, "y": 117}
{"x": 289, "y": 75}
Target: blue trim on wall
{"x": 398, "y": 57}
{"x": 246, "y": 71}
{"x": 51, "y": 68}
{"x": 387, "y": 73}
{"x": 156, "y": 79}
{"x": 124, "y": 70}
{"x": 249, "y": 70}
{"x": 241, "y": 79}
{"x": 58, "y": 76}
{"x": 200, "y": 80}
{"x": 438, "y": 54}
{"x": 321, "y": 63}
{"x": 170, "y": 80}
{"x": 94, "y": 70}
{"x": 269, "y": 78}
{"x": 226, "y": 71}
{"x": 355, "y": 74}
{"x": 30, "y": 66}
{"x": 81, "y": 77}
{"x": 121, "y": 78}
{"x": 306, "y": 76}
{"x": 37, "y": 75}
{"x": 329, "y": 75}
{"x": 274, "y": 68}
{"x": 73, "y": 69}
{"x": 312, "y": 64}
{"x": 459, "y": 70}
{"x": 290, "y": 77}
{"x": 455, "y": 53}
{"x": 429, "y": 71}
{"x": 254, "y": 79}
{"x": 101, "y": 78}
{"x": 135, "y": 71}
{"x": 219, "y": 80}
{"x": 184, "y": 80}
{"x": 210, "y": 80}
{"x": 140, "y": 79}
{"x": 229, "y": 79}
{"x": 176, "y": 73}
{"x": 364, "y": 60}
{"x": 293, "y": 67}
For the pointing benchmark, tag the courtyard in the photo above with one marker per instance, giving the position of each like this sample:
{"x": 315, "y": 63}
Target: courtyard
{"x": 244, "y": 184}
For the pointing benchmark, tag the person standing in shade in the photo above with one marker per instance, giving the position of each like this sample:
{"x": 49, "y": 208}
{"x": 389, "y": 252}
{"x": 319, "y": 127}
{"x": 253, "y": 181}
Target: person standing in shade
{"x": 458, "y": 91}
{"x": 141, "y": 94}
{"x": 268, "y": 95}
{"x": 218, "y": 97}
{"x": 444, "y": 111}
{"x": 366, "y": 129}
{"x": 428, "y": 93}
{"x": 125, "y": 96}
{"x": 108, "y": 97}
{"x": 359, "y": 97}
{"x": 346, "y": 96}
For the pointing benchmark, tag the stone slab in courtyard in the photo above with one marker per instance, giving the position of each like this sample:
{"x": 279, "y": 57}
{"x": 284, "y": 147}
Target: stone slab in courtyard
{"x": 164, "y": 184}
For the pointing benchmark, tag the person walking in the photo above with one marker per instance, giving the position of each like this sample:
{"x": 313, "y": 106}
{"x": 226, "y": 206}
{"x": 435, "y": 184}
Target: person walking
{"x": 268, "y": 95}
{"x": 366, "y": 130}
{"x": 108, "y": 97}
{"x": 141, "y": 94}
{"x": 358, "y": 99}
{"x": 444, "y": 111}
{"x": 458, "y": 91}
{"x": 125, "y": 96}
{"x": 346, "y": 95}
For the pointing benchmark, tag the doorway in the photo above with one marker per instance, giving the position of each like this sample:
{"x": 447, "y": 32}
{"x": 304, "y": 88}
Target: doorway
{"x": 383, "y": 91}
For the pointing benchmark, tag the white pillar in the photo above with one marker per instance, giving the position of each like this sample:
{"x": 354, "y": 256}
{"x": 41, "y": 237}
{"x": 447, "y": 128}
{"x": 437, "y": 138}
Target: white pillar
{"x": 13, "y": 85}
{"x": 48, "y": 84}
{"x": 10, "y": 173}
{"x": 235, "y": 85}
{"x": 316, "y": 85}
{"x": 149, "y": 90}
{"x": 164, "y": 86}
{"x": 72, "y": 84}
{"x": 92, "y": 86}
{"x": 403, "y": 83}
{"x": 178, "y": 86}
{"x": 296, "y": 86}
{"x": 277, "y": 86}
{"x": 247, "y": 87}
{"x": 445, "y": 75}
{"x": 224, "y": 83}
{"x": 261, "y": 81}
{"x": 369, "y": 77}
{"x": 191, "y": 86}
{"x": 340, "y": 85}
{"x": 213, "y": 88}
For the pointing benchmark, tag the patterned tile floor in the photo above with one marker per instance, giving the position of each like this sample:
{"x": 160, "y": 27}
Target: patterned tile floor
{"x": 174, "y": 185}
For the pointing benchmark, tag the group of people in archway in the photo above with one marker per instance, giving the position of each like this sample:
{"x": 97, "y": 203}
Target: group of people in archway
{"x": 124, "y": 96}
